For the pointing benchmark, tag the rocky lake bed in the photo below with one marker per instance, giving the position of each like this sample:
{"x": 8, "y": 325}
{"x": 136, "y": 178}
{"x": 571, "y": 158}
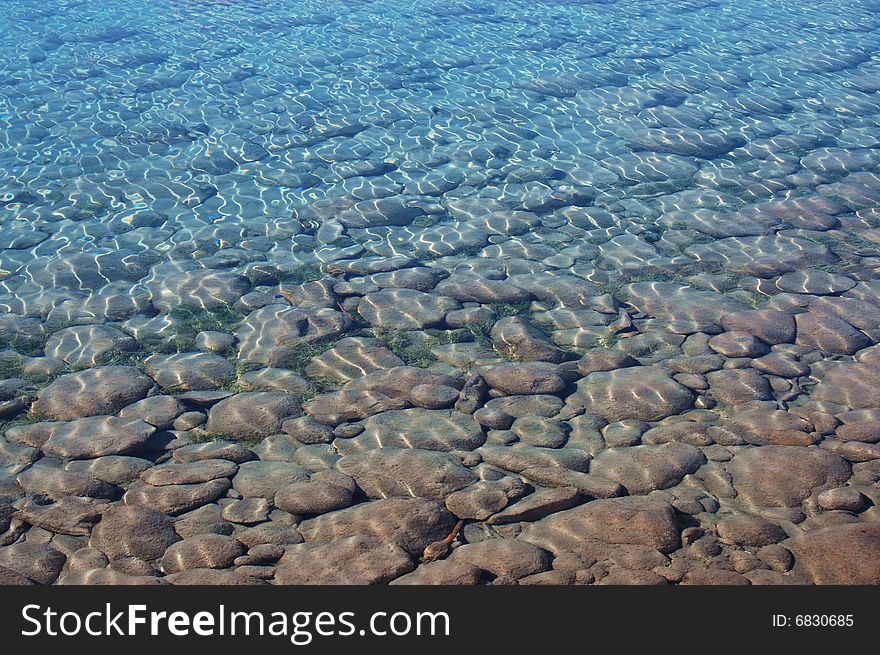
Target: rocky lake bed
{"x": 536, "y": 293}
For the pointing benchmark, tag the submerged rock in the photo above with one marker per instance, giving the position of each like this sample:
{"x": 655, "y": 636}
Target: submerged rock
{"x": 643, "y": 393}
{"x": 410, "y": 523}
{"x": 405, "y": 309}
{"x": 388, "y": 472}
{"x": 597, "y": 528}
{"x": 252, "y": 415}
{"x": 841, "y": 554}
{"x": 441, "y": 429}
{"x": 784, "y": 476}
{"x": 133, "y": 531}
{"x": 643, "y": 469}
{"x": 96, "y": 391}
{"x": 358, "y": 559}
{"x": 97, "y": 436}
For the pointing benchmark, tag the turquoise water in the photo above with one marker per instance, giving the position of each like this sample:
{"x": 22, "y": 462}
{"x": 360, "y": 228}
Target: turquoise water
{"x": 145, "y": 128}
{"x": 235, "y": 196}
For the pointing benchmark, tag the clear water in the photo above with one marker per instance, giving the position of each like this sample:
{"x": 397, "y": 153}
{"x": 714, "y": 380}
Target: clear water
{"x": 177, "y": 165}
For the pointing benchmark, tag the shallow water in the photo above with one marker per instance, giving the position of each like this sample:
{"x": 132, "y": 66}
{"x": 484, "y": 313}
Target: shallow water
{"x": 215, "y": 193}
